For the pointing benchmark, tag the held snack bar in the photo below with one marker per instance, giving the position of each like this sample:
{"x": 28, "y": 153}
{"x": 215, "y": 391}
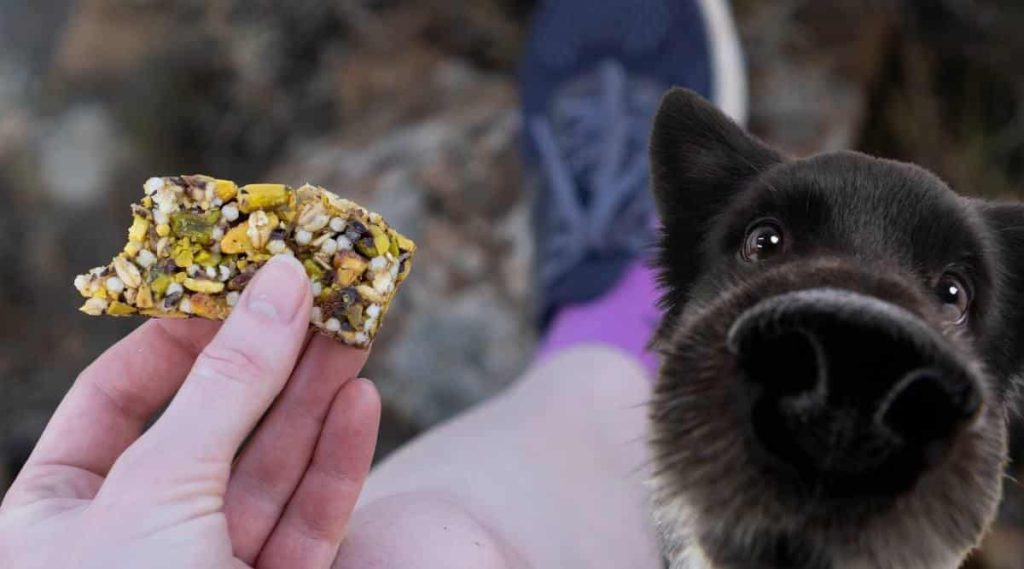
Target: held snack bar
{"x": 195, "y": 242}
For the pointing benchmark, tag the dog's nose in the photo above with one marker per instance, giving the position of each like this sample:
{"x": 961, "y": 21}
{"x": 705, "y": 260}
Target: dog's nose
{"x": 846, "y": 388}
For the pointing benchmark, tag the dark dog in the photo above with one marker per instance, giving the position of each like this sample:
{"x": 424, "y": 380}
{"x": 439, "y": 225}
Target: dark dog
{"x": 840, "y": 346}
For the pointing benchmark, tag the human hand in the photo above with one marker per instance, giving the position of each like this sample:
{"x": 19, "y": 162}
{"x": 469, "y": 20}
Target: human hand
{"x": 99, "y": 490}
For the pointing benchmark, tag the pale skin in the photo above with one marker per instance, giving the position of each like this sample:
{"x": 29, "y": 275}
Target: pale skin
{"x": 547, "y": 474}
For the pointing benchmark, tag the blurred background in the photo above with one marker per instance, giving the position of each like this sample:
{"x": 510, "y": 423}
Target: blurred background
{"x": 410, "y": 107}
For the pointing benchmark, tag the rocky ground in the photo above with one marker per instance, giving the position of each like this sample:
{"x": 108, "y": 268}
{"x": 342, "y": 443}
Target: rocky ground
{"x": 410, "y": 107}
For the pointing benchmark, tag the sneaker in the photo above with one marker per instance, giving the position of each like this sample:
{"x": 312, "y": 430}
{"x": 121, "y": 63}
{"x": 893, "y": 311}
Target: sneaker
{"x": 591, "y": 80}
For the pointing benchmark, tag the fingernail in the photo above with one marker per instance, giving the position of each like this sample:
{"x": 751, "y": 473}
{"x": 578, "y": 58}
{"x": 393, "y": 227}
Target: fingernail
{"x": 278, "y": 291}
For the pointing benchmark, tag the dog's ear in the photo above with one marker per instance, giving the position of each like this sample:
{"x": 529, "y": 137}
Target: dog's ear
{"x": 700, "y": 159}
{"x": 699, "y": 156}
{"x": 1006, "y": 224}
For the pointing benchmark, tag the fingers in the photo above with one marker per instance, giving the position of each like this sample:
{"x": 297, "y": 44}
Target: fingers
{"x": 314, "y": 522}
{"x": 238, "y": 374}
{"x": 275, "y": 458}
{"x": 110, "y": 402}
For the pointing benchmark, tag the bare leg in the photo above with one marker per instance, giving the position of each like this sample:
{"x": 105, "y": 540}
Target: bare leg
{"x": 548, "y": 474}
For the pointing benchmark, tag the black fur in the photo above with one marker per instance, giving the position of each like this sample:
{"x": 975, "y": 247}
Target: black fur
{"x": 869, "y": 233}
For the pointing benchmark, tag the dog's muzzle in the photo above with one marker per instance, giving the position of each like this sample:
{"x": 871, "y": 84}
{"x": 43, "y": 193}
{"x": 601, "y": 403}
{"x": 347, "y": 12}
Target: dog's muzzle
{"x": 850, "y": 393}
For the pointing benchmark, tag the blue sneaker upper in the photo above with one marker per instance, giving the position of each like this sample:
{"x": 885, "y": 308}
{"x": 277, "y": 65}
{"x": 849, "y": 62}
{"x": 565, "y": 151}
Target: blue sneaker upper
{"x": 591, "y": 80}
{"x": 664, "y": 40}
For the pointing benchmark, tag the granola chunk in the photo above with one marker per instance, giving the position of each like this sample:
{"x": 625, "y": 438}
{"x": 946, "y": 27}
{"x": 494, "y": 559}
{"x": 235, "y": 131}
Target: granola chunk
{"x": 196, "y": 241}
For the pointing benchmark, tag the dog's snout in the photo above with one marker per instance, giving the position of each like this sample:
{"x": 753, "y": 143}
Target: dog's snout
{"x": 846, "y": 387}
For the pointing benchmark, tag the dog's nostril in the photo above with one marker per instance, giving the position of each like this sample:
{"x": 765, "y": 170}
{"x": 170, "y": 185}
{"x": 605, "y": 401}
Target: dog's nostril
{"x": 927, "y": 405}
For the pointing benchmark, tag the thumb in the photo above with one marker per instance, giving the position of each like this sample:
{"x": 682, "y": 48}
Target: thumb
{"x": 238, "y": 375}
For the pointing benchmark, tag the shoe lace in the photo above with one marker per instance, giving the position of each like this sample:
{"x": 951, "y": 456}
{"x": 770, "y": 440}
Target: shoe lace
{"x": 593, "y": 154}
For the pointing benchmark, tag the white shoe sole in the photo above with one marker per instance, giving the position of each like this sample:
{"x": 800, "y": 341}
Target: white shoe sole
{"x": 729, "y": 76}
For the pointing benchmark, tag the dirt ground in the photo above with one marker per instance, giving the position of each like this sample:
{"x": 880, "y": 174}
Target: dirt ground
{"x": 411, "y": 107}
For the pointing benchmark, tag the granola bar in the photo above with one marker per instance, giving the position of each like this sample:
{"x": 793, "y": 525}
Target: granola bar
{"x": 196, "y": 241}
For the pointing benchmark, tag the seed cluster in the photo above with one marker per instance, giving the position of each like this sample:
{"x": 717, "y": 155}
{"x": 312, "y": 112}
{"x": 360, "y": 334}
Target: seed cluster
{"x": 196, "y": 241}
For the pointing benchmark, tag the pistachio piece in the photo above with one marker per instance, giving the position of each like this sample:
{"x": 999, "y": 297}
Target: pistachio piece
{"x": 235, "y": 241}
{"x": 314, "y": 270}
{"x": 252, "y": 197}
{"x": 226, "y": 190}
{"x": 202, "y": 285}
{"x": 137, "y": 232}
{"x": 182, "y": 253}
{"x": 132, "y": 248}
{"x": 350, "y": 267}
{"x": 287, "y": 212}
{"x": 404, "y": 243}
{"x": 160, "y": 283}
{"x": 354, "y": 316}
{"x": 374, "y": 243}
{"x": 207, "y": 306}
{"x": 393, "y": 249}
{"x": 163, "y": 313}
{"x": 144, "y": 297}
{"x": 207, "y": 258}
{"x": 195, "y": 226}
{"x": 120, "y": 309}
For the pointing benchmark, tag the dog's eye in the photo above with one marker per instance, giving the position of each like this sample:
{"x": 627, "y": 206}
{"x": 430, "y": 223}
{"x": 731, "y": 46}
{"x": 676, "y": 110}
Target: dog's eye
{"x": 955, "y": 295}
{"x": 764, "y": 240}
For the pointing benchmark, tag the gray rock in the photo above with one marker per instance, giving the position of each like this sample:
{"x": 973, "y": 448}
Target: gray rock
{"x": 78, "y": 154}
{"x": 461, "y": 328}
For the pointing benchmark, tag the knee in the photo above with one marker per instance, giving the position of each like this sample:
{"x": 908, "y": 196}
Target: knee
{"x": 422, "y": 530}
{"x": 590, "y": 381}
